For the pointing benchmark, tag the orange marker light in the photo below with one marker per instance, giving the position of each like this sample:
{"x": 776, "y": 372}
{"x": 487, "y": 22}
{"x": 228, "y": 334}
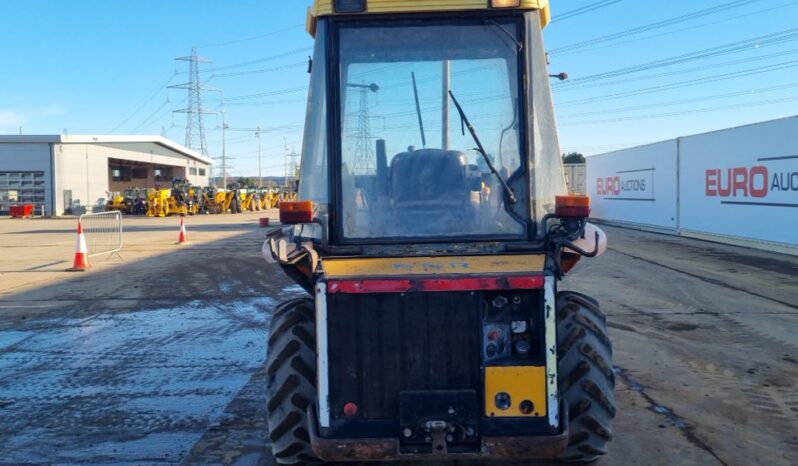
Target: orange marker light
{"x": 505, "y": 3}
{"x": 296, "y": 212}
{"x": 573, "y": 205}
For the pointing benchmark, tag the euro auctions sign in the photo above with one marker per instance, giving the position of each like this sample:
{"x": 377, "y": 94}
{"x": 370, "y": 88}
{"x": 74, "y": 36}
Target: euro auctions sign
{"x": 630, "y": 185}
{"x": 769, "y": 183}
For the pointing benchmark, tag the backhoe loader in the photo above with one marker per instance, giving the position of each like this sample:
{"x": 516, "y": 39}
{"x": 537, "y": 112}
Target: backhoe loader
{"x": 431, "y": 247}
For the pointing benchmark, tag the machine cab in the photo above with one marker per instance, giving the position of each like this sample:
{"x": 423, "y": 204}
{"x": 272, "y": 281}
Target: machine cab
{"x": 389, "y": 155}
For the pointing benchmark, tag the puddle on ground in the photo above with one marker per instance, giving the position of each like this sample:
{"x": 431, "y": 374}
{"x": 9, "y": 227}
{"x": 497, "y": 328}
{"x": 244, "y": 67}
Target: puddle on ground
{"x": 137, "y": 387}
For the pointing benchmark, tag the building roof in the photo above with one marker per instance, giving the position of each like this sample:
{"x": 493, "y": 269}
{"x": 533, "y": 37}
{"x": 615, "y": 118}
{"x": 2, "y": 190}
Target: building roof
{"x": 105, "y": 139}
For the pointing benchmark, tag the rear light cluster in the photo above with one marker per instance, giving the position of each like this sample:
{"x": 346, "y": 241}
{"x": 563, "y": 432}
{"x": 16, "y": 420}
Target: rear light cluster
{"x": 296, "y": 212}
{"x": 572, "y": 205}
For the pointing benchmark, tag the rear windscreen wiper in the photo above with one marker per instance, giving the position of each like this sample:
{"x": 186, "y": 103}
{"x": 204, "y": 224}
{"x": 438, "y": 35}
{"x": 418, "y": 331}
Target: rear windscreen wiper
{"x": 509, "y": 192}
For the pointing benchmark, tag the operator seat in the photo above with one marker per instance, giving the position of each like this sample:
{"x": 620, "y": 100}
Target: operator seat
{"x": 430, "y": 191}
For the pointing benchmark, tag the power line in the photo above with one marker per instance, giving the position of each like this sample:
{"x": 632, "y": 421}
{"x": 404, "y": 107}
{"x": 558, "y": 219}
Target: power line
{"x": 585, "y": 9}
{"x": 271, "y": 102}
{"x": 265, "y": 59}
{"x": 149, "y": 117}
{"x": 149, "y": 99}
{"x": 682, "y": 101}
{"x": 781, "y": 37}
{"x": 247, "y": 39}
{"x": 656, "y": 25}
{"x": 267, "y": 94}
{"x": 747, "y": 16}
{"x": 683, "y": 84}
{"x": 685, "y": 112}
{"x": 260, "y": 71}
{"x": 157, "y": 114}
{"x": 578, "y": 87}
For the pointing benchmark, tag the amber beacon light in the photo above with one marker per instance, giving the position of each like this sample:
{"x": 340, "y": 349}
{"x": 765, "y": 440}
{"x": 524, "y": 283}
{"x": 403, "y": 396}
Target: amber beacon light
{"x": 505, "y": 3}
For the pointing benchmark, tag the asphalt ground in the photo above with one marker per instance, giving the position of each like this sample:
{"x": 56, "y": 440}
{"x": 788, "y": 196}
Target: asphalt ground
{"x": 158, "y": 359}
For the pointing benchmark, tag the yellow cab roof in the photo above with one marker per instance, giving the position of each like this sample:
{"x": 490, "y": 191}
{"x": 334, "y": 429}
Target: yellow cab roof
{"x": 325, "y": 8}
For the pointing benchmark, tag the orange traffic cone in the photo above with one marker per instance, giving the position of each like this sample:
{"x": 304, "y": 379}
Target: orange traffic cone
{"x": 183, "y": 239}
{"x": 81, "y": 253}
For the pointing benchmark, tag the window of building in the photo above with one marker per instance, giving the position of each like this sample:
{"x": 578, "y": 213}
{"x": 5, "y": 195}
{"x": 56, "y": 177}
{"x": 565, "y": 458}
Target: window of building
{"x": 202, "y": 172}
{"x": 121, "y": 173}
{"x": 22, "y": 188}
{"x": 140, "y": 173}
{"x": 163, "y": 173}
{"x": 192, "y": 171}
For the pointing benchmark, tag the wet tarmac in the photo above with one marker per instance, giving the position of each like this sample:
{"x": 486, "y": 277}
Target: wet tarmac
{"x": 127, "y": 388}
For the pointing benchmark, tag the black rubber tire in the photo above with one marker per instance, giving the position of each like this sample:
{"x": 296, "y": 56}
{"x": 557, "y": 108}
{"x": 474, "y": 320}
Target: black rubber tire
{"x": 291, "y": 381}
{"x": 586, "y": 377}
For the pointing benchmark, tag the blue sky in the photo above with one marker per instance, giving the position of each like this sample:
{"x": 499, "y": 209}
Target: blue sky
{"x": 99, "y": 66}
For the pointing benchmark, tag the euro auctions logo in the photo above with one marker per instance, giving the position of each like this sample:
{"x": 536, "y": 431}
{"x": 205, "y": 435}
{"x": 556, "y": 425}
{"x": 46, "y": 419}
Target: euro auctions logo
{"x": 738, "y": 182}
{"x": 757, "y": 183}
{"x": 628, "y": 185}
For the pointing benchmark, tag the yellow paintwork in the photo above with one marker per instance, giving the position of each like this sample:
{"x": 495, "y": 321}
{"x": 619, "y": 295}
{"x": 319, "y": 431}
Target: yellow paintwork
{"x": 158, "y": 202}
{"x": 521, "y": 383}
{"x": 435, "y": 266}
{"x": 325, "y": 8}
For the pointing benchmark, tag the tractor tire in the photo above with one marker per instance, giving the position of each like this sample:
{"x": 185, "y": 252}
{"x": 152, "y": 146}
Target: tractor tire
{"x": 291, "y": 381}
{"x": 586, "y": 377}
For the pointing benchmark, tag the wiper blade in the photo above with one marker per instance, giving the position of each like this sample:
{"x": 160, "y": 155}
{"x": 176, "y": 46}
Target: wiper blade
{"x": 507, "y": 191}
{"x": 515, "y": 40}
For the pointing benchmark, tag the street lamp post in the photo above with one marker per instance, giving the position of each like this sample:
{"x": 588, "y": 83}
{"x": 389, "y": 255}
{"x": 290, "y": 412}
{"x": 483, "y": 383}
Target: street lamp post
{"x": 224, "y": 151}
{"x": 260, "y": 174}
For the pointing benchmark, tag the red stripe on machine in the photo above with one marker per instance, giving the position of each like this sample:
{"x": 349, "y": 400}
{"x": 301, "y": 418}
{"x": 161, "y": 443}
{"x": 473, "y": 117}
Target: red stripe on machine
{"x": 434, "y": 284}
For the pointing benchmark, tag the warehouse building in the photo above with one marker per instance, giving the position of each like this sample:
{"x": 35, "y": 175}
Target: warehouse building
{"x": 75, "y": 174}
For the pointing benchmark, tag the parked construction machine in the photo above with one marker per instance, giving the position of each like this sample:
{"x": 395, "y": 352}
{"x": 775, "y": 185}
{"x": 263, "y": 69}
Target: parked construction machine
{"x": 232, "y": 200}
{"x": 211, "y": 201}
{"x": 117, "y": 202}
{"x": 182, "y": 202}
{"x": 158, "y": 203}
{"x": 432, "y": 247}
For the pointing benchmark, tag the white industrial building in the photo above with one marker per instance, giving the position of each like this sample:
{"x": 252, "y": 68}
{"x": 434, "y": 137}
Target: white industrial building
{"x": 737, "y": 185}
{"x": 73, "y": 174}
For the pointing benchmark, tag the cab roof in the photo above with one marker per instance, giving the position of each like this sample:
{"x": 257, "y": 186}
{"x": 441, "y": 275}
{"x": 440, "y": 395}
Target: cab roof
{"x": 325, "y": 8}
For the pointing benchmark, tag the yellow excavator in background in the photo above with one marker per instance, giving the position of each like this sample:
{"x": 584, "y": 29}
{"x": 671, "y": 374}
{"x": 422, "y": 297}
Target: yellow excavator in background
{"x": 158, "y": 203}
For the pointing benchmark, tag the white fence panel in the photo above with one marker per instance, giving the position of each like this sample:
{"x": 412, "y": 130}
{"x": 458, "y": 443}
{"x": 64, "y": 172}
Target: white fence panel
{"x": 635, "y": 185}
{"x": 103, "y": 232}
{"x": 742, "y": 182}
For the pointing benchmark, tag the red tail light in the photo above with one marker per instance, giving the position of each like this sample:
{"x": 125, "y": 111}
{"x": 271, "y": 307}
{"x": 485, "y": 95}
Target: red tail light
{"x": 350, "y": 409}
{"x": 296, "y": 212}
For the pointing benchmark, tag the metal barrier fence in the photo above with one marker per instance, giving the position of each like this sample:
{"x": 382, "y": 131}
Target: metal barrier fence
{"x": 103, "y": 232}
